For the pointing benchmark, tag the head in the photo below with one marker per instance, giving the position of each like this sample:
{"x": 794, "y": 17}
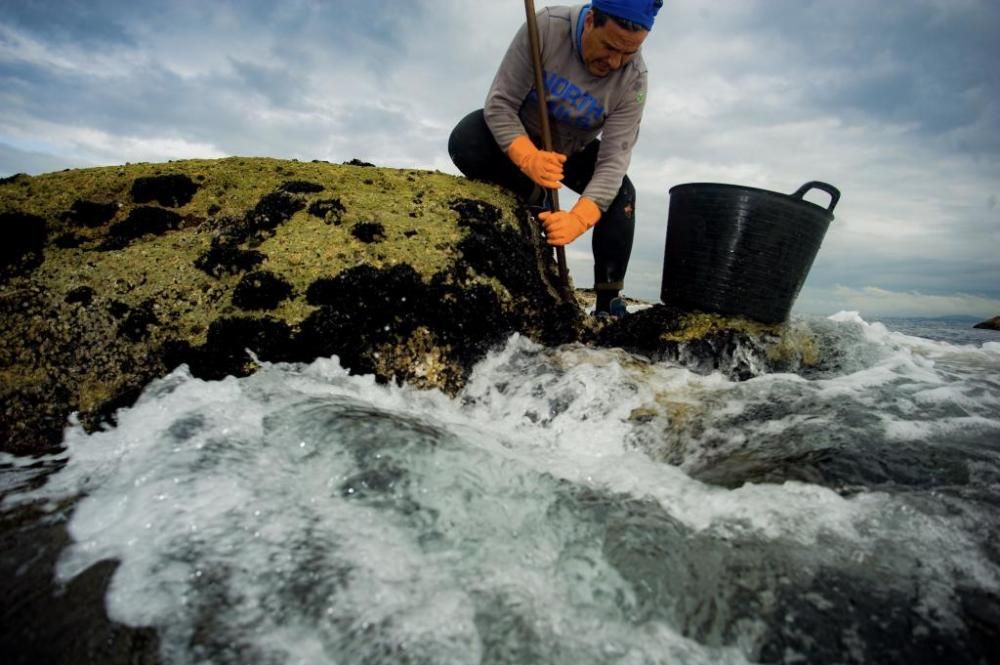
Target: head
{"x": 613, "y": 32}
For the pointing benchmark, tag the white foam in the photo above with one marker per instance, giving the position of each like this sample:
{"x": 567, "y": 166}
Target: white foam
{"x": 247, "y": 499}
{"x": 879, "y": 334}
{"x": 17, "y": 473}
{"x": 909, "y": 430}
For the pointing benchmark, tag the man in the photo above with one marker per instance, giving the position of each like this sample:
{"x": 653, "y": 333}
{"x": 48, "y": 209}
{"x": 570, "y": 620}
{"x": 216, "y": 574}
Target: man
{"x": 595, "y": 84}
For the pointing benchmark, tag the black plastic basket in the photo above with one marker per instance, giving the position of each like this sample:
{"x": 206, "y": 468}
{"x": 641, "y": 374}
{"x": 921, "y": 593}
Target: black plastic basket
{"x": 741, "y": 250}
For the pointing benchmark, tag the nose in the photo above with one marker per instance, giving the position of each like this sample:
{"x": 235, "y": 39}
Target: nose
{"x": 615, "y": 61}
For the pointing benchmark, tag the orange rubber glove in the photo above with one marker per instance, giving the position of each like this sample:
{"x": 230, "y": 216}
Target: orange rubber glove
{"x": 545, "y": 168}
{"x": 562, "y": 228}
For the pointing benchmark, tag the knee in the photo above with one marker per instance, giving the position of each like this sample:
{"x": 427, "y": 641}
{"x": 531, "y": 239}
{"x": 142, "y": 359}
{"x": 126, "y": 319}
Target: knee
{"x": 622, "y": 215}
{"x": 627, "y": 191}
{"x": 463, "y": 143}
{"x": 622, "y": 209}
{"x": 456, "y": 149}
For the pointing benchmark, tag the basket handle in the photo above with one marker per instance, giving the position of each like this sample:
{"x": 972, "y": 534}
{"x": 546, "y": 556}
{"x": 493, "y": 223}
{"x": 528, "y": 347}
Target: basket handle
{"x": 816, "y": 184}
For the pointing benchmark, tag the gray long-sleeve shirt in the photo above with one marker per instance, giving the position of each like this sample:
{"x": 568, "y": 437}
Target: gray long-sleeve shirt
{"x": 581, "y": 105}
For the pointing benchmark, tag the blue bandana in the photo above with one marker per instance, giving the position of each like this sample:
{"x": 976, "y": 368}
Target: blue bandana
{"x": 642, "y": 12}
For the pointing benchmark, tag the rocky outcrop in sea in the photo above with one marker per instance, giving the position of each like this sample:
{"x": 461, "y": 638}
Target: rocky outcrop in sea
{"x": 989, "y": 324}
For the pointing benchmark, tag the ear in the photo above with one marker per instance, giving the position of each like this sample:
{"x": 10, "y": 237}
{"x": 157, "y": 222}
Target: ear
{"x": 588, "y": 21}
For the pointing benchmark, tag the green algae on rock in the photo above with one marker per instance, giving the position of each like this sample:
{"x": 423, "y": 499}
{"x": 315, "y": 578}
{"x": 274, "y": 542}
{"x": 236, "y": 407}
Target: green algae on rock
{"x": 737, "y": 347}
{"x": 113, "y": 276}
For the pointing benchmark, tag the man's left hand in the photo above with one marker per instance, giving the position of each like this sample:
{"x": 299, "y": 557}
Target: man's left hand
{"x": 562, "y": 228}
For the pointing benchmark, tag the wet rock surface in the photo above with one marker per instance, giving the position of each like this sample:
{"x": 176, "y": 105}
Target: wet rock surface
{"x": 144, "y": 220}
{"x": 172, "y": 190}
{"x": 90, "y": 213}
{"x": 226, "y": 258}
{"x": 22, "y": 249}
{"x": 262, "y": 222}
{"x": 224, "y": 353}
{"x": 331, "y": 210}
{"x": 261, "y": 290}
{"x": 301, "y": 187}
{"x": 60, "y": 624}
{"x": 83, "y": 295}
{"x": 645, "y": 544}
{"x": 368, "y": 232}
{"x": 706, "y": 343}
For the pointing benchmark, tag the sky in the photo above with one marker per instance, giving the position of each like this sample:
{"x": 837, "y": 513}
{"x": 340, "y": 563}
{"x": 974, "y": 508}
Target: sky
{"x": 895, "y": 102}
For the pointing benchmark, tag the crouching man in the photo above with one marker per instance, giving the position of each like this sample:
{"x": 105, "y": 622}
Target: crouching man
{"x": 595, "y": 86}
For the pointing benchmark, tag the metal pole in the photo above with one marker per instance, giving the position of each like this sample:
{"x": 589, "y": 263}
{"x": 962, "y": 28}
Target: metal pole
{"x": 543, "y": 114}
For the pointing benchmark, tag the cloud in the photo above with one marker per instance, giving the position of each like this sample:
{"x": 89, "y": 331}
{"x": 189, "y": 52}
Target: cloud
{"x": 877, "y": 302}
{"x": 15, "y": 160}
{"x": 151, "y": 148}
{"x": 85, "y": 146}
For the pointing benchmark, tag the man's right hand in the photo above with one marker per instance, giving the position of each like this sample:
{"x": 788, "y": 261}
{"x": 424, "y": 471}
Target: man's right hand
{"x": 545, "y": 168}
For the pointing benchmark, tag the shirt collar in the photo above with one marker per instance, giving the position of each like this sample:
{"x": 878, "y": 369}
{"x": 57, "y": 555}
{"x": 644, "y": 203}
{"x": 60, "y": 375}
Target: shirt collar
{"x": 579, "y": 29}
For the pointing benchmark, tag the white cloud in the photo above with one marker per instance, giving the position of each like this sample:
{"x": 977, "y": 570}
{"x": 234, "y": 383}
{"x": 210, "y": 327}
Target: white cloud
{"x": 19, "y": 48}
{"x": 146, "y": 148}
{"x": 23, "y": 159}
{"x": 90, "y": 146}
{"x": 872, "y": 301}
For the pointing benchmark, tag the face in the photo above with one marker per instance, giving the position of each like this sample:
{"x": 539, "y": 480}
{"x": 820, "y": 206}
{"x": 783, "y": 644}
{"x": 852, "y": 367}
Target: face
{"x": 610, "y": 47}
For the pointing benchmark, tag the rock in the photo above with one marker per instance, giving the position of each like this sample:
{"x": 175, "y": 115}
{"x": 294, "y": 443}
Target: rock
{"x": 261, "y": 290}
{"x": 173, "y": 190}
{"x": 225, "y": 257}
{"x": 17, "y": 177}
{"x": 331, "y": 210}
{"x": 90, "y": 213}
{"x": 301, "y": 187}
{"x": 407, "y": 275}
{"x": 59, "y": 624}
{"x": 25, "y": 236}
{"x": 368, "y": 232}
{"x": 141, "y": 221}
{"x": 81, "y": 294}
{"x": 414, "y": 278}
{"x": 705, "y": 343}
{"x": 991, "y": 324}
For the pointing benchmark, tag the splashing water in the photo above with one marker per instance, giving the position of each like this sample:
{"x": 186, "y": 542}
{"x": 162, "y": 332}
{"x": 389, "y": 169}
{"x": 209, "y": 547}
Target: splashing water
{"x": 572, "y": 505}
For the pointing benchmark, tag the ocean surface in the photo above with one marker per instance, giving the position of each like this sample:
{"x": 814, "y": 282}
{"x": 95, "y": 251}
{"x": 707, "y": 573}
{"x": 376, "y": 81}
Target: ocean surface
{"x": 571, "y": 505}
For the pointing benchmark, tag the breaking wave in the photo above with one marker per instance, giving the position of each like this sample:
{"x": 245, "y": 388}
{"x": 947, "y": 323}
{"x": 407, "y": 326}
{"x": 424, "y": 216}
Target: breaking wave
{"x": 571, "y": 505}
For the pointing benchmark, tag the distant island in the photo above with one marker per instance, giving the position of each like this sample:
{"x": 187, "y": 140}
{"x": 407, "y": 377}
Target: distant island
{"x": 990, "y": 324}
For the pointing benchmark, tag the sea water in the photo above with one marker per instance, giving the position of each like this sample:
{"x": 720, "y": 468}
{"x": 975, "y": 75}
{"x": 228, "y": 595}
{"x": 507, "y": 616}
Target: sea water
{"x": 571, "y": 505}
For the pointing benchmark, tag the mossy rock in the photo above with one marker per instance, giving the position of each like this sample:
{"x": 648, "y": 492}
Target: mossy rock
{"x": 704, "y": 342}
{"x": 113, "y": 276}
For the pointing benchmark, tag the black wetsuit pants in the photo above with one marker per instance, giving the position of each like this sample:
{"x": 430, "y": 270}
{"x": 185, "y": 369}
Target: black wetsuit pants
{"x": 476, "y": 154}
